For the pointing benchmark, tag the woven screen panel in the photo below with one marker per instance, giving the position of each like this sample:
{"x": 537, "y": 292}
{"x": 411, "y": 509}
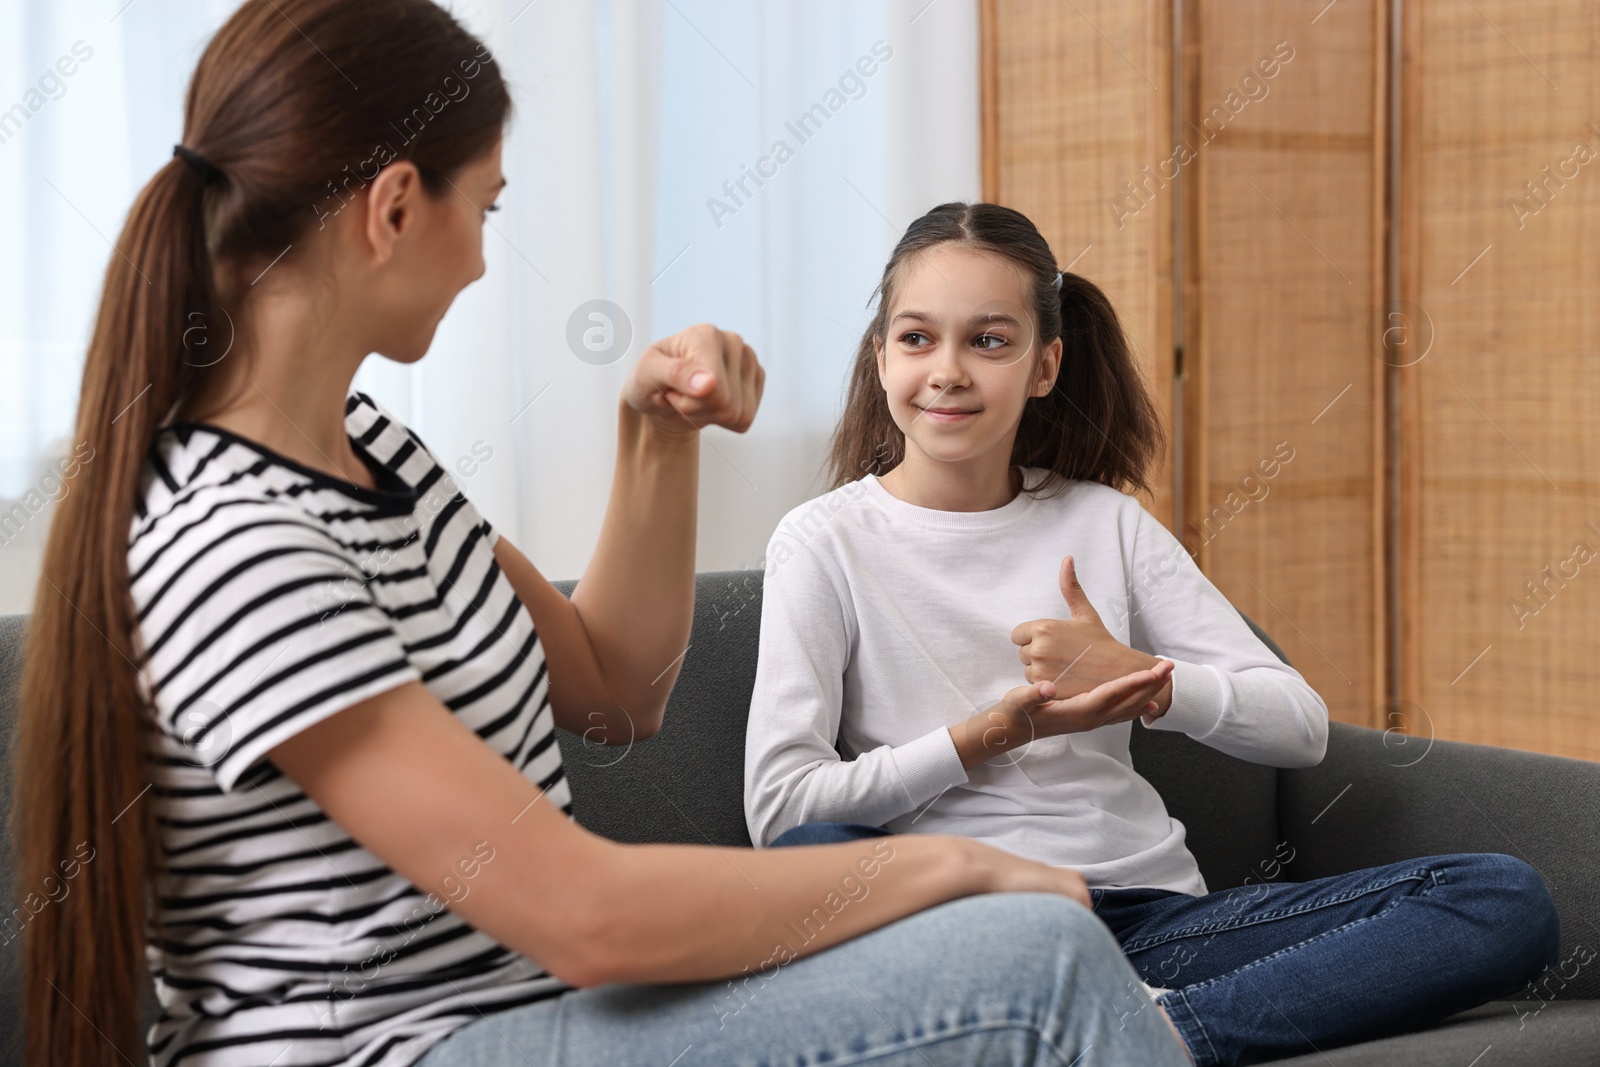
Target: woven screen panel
{"x": 1502, "y": 446}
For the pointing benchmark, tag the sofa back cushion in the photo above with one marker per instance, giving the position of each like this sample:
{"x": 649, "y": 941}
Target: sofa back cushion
{"x": 685, "y": 784}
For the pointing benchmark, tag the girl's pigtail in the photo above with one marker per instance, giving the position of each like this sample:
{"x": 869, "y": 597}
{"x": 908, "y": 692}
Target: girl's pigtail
{"x": 1098, "y": 423}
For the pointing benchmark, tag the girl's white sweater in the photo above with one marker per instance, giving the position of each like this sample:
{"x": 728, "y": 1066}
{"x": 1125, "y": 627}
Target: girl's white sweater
{"x": 883, "y": 623}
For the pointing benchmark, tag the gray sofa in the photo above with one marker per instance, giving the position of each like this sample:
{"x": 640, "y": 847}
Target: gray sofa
{"x": 1375, "y": 799}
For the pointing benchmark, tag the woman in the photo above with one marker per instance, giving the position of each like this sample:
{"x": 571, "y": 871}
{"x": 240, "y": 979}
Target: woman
{"x": 298, "y": 698}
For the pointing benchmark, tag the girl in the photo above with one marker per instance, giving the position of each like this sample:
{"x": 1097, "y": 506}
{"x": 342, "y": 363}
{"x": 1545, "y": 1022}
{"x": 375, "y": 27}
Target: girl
{"x": 297, "y": 698}
{"x": 994, "y": 416}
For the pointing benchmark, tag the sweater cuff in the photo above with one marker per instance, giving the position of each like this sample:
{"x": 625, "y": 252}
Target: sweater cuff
{"x": 1198, "y": 696}
{"x": 928, "y": 765}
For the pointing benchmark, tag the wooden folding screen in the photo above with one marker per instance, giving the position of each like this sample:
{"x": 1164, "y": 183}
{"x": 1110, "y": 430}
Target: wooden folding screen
{"x": 1072, "y": 109}
{"x": 1500, "y": 520}
{"x": 1285, "y": 271}
{"x": 1271, "y": 195}
{"x": 1363, "y": 279}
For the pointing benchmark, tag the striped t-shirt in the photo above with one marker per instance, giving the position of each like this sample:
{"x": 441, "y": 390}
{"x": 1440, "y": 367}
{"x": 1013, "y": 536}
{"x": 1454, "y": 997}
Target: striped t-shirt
{"x": 270, "y": 595}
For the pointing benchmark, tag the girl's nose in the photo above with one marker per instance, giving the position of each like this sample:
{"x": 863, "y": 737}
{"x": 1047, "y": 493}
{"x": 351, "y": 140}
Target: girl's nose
{"x": 945, "y": 368}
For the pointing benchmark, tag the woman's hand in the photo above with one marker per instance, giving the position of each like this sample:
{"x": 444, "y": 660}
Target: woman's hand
{"x": 701, "y": 376}
{"x": 1078, "y": 654}
{"x": 1008, "y": 873}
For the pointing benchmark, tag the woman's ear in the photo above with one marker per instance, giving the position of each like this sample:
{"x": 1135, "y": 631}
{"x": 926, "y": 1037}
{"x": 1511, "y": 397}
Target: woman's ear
{"x": 391, "y": 207}
{"x": 1049, "y": 367}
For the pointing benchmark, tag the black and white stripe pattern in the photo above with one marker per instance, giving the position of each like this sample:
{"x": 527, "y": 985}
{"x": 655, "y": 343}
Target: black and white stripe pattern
{"x": 269, "y": 596}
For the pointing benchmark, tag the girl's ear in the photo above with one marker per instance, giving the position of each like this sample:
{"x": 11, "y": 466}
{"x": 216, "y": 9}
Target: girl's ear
{"x": 877, "y": 351}
{"x": 1049, "y": 366}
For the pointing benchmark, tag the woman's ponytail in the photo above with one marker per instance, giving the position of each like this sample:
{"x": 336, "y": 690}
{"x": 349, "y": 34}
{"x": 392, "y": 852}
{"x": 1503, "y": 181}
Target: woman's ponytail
{"x": 84, "y": 826}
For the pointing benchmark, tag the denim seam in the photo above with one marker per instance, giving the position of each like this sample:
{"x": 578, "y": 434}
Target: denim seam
{"x": 1256, "y": 918}
{"x": 964, "y": 1030}
{"x": 912, "y": 1044}
{"x": 1190, "y": 1028}
{"x": 1297, "y": 946}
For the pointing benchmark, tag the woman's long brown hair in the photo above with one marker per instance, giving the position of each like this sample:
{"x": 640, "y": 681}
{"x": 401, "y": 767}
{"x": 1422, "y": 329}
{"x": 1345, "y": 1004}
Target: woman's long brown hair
{"x": 298, "y": 103}
{"x": 1096, "y": 424}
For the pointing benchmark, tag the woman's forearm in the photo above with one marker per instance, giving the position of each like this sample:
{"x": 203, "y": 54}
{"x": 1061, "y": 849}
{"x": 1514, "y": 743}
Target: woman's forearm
{"x": 636, "y": 596}
{"x": 715, "y": 913}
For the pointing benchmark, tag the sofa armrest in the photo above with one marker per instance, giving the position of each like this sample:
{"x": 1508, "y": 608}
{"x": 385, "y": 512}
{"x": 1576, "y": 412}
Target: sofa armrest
{"x": 1380, "y": 797}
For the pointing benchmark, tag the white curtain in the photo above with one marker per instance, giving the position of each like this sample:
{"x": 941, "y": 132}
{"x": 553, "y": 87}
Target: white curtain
{"x": 745, "y": 163}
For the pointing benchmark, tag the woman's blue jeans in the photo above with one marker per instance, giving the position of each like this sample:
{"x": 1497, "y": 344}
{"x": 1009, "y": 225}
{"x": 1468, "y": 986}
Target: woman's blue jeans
{"x": 1004, "y": 978}
{"x": 1274, "y": 969}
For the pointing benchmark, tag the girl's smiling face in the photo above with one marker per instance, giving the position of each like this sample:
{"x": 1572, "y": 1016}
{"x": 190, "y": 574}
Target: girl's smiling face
{"x": 960, "y": 358}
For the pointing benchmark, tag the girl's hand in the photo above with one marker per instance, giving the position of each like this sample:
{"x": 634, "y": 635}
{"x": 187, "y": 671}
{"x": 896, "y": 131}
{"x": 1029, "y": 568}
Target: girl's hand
{"x": 701, "y": 376}
{"x": 1118, "y": 700}
{"x": 1078, "y": 654}
{"x": 1032, "y": 711}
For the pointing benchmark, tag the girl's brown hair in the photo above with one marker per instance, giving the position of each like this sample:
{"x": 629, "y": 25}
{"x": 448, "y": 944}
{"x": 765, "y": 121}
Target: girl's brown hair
{"x": 298, "y": 103}
{"x": 1096, "y": 424}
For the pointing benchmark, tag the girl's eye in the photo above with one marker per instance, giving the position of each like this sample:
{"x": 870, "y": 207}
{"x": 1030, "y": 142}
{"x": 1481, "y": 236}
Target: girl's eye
{"x": 999, "y": 342}
{"x": 491, "y": 207}
{"x": 912, "y": 338}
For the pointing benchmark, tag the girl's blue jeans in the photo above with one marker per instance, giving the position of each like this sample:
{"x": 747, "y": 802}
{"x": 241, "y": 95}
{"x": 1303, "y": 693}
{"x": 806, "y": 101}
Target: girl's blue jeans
{"x": 1275, "y": 969}
{"x": 1005, "y": 979}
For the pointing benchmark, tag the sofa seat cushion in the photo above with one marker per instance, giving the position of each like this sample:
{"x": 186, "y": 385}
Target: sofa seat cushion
{"x": 1564, "y": 1032}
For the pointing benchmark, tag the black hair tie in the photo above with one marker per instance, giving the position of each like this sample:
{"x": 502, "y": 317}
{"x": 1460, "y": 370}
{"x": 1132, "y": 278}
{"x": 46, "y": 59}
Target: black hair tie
{"x": 207, "y": 170}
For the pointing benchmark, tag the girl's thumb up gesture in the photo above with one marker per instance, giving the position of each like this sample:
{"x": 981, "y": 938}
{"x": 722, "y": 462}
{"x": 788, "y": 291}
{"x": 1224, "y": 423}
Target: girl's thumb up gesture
{"x": 1076, "y": 654}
